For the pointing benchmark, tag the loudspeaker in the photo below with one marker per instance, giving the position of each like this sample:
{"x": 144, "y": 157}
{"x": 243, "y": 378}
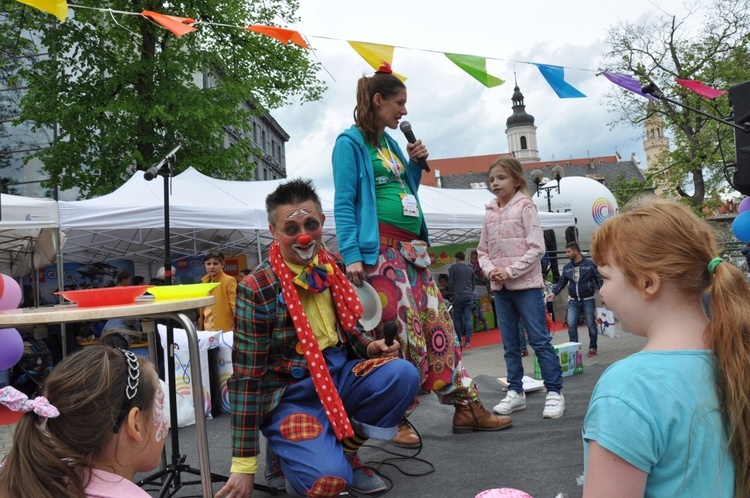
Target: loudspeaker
{"x": 739, "y": 99}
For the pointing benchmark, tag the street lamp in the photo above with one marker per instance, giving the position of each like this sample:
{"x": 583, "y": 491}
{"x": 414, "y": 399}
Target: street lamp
{"x": 537, "y": 176}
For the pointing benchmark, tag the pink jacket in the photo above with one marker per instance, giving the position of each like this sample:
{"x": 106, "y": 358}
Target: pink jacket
{"x": 512, "y": 238}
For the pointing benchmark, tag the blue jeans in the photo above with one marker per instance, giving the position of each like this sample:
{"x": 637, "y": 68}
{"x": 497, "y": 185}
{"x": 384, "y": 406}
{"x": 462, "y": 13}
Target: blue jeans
{"x": 462, "y": 317}
{"x": 511, "y": 306}
{"x": 375, "y": 402}
{"x": 522, "y": 335}
{"x": 589, "y": 310}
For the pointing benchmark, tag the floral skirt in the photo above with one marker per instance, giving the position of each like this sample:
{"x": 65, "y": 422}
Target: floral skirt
{"x": 428, "y": 339}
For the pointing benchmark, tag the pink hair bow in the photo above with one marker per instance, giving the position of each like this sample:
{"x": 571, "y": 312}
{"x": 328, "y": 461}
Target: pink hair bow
{"x": 19, "y": 402}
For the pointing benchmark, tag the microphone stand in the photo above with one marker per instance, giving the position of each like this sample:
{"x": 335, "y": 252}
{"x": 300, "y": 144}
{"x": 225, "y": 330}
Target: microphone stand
{"x": 170, "y": 475}
{"x": 740, "y": 177}
{"x": 655, "y": 91}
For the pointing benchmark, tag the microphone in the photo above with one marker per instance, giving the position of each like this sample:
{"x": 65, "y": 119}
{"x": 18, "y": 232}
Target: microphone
{"x": 652, "y": 89}
{"x": 390, "y": 330}
{"x": 406, "y": 130}
{"x": 153, "y": 171}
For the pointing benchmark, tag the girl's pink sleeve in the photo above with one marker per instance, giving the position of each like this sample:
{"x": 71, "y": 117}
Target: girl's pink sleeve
{"x": 532, "y": 227}
{"x": 483, "y": 255}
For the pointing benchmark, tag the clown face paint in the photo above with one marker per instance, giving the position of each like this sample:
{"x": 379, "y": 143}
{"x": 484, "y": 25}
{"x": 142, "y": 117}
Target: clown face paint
{"x": 299, "y": 231}
{"x": 305, "y": 246}
{"x": 161, "y": 425}
{"x": 299, "y": 212}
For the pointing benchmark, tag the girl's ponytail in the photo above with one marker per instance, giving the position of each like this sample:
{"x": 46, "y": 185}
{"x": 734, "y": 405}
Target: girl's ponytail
{"x": 730, "y": 340}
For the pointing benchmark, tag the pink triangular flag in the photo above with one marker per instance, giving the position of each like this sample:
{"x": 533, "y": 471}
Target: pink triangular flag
{"x": 701, "y": 89}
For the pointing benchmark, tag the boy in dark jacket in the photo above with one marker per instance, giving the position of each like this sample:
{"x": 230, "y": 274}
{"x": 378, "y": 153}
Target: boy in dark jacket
{"x": 582, "y": 278}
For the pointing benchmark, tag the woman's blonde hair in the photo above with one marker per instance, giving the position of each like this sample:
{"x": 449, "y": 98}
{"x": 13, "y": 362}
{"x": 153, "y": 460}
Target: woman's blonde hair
{"x": 667, "y": 239}
{"x": 384, "y": 83}
{"x": 514, "y": 169}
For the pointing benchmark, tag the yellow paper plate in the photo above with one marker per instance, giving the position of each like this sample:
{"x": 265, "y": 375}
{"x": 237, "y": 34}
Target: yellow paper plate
{"x": 185, "y": 291}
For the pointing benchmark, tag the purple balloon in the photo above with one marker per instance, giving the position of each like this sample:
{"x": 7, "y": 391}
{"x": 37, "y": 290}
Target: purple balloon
{"x": 744, "y": 205}
{"x": 11, "y": 348}
{"x": 11, "y": 297}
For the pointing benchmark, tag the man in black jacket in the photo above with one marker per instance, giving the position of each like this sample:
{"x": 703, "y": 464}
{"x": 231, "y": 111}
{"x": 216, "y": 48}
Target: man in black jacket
{"x": 582, "y": 278}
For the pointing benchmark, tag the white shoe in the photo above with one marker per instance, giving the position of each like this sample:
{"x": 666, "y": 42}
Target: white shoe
{"x": 513, "y": 401}
{"x": 554, "y": 406}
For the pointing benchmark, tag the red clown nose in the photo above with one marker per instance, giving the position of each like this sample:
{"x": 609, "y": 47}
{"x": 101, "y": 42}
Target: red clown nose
{"x": 304, "y": 239}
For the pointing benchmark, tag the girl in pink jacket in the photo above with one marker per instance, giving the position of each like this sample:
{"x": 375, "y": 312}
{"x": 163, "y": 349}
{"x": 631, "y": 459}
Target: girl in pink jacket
{"x": 510, "y": 250}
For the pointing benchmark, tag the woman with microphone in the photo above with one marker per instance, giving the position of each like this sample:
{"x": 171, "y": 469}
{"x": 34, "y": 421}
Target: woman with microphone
{"x": 383, "y": 239}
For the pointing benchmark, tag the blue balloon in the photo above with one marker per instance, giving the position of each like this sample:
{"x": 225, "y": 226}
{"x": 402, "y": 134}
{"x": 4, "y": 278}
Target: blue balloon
{"x": 741, "y": 227}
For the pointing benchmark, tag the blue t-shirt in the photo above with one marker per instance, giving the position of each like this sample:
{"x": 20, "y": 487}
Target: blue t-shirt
{"x": 659, "y": 411}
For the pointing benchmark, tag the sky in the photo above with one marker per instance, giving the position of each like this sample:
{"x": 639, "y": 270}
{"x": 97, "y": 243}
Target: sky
{"x": 452, "y": 113}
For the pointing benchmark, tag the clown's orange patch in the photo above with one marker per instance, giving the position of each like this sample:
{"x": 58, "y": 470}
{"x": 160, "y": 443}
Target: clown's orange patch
{"x": 300, "y": 427}
{"x": 327, "y": 486}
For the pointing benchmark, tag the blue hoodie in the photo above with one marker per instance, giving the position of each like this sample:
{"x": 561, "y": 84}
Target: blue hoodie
{"x": 354, "y": 206}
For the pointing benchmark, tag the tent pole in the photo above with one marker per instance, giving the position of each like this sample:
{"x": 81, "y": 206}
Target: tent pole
{"x": 60, "y": 276}
{"x": 257, "y": 243}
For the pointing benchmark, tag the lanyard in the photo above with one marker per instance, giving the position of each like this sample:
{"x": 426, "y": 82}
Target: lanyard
{"x": 392, "y": 164}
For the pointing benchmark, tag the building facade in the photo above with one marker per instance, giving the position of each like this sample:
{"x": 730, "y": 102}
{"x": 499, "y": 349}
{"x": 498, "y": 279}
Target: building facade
{"x": 656, "y": 147}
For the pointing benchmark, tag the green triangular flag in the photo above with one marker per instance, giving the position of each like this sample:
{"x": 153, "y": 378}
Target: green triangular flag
{"x": 476, "y": 67}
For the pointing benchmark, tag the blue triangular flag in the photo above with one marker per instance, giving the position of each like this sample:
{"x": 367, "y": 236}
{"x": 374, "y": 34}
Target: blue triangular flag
{"x": 555, "y": 76}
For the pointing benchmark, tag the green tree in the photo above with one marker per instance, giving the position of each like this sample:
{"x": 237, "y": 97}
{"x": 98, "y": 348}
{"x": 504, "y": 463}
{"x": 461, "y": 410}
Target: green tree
{"x": 10, "y": 91}
{"x": 122, "y": 90}
{"x": 713, "y": 50}
{"x": 625, "y": 190}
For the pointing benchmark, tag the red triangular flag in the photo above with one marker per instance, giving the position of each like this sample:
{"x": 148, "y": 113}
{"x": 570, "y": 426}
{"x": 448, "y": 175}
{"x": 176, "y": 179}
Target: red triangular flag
{"x": 701, "y": 89}
{"x": 177, "y": 25}
{"x": 282, "y": 34}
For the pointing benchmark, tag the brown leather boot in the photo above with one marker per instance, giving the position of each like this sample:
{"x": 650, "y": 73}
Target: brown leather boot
{"x": 475, "y": 417}
{"x": 406, "y": 437}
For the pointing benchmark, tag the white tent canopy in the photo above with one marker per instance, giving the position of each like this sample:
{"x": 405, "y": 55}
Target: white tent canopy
{"x": 27, "y": 233}
{"x": 208, "y": 214}
{"x": 204, "y": 213}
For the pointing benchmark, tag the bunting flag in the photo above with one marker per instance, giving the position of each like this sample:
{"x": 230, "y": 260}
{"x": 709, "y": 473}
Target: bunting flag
{"x": 555, "y": 76}
{"x": 701, "y": 89}
{"x": 177, "y": 25}
{"x": 476, "y": 67}
{"x": 628, "y": 83}
{"x": 374, "y": 54}
{"x": 282, "y": 34}
{"x": 58, "y": 8}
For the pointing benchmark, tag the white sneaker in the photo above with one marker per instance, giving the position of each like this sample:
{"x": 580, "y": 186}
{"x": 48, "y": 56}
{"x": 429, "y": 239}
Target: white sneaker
{"x": 554, "y": 406}
{"x": 513, "y": 401}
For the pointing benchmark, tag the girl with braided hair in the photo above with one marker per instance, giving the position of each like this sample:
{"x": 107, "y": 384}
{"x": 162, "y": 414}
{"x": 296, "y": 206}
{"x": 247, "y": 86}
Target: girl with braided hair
{"x": 99, "y": 421}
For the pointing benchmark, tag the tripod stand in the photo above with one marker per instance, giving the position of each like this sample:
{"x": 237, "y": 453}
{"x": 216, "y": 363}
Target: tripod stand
{"x": 171, "y": 475}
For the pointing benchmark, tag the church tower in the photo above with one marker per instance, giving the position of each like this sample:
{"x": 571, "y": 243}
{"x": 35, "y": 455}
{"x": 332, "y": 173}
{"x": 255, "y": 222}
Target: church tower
{"x": 521, "y": 131}
{"x": 656, "y": 147}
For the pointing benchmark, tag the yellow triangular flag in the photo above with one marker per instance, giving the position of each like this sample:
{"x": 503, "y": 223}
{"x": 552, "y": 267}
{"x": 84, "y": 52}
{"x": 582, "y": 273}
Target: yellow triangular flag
{"x": 374, "y": 54}
{"x": 58, "y": 8}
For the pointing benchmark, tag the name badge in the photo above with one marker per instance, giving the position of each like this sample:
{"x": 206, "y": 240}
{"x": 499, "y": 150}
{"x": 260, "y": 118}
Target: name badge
{"x": 409, "y": 203}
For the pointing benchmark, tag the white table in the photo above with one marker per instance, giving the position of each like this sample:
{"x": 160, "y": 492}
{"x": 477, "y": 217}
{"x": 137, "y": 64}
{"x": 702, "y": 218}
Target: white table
{"x": 65, "y": 313}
